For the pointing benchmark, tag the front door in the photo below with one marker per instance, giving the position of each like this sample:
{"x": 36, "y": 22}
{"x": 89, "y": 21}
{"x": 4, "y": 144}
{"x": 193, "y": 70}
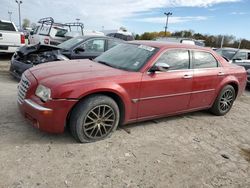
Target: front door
{"x": 167, "y": 92}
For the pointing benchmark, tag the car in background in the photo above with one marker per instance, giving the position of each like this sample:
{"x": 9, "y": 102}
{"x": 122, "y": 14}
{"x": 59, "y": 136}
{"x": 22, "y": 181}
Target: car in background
{"x": 52, "y": 33}
{"x": 181, "y": 40}
{"x": 124, "y": 85}
{"x": 10, "y": 37}
{"x": 121, "y": 33}
{"x": 239, "y": 57}
{"x": 82, "y": 47}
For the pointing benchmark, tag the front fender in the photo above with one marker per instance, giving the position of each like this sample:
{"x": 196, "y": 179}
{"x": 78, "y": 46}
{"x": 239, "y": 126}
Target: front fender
{"x": 93, "y": 88}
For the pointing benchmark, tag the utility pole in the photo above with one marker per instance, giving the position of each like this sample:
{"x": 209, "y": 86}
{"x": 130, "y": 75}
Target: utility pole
{"x": 239, "y": 44}
{"x": 19, "y": 13}
{"x": 222, "y": 41}
{"x": 10, "y": 13}
{"x": 166, "y": 27}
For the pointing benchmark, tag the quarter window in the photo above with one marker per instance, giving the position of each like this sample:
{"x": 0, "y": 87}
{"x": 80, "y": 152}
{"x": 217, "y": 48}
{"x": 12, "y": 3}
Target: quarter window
{"x": 176, "y": 60}
{"x": 204, "y": 60}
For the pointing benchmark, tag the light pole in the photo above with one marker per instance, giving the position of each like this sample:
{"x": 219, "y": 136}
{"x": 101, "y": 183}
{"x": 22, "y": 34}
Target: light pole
{"x": 166, "y": 27}
{"x": 10, "y": 13}
{"x": 19, "y": 12}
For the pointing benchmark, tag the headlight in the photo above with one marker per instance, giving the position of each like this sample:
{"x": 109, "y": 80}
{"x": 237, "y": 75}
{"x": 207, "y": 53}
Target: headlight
{"x": 43, "y": 93}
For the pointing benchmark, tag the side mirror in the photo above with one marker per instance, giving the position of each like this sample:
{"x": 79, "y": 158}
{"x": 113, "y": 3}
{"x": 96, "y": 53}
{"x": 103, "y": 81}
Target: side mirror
{"x": 79, "y": 49}
{"x": 162, "y": 67}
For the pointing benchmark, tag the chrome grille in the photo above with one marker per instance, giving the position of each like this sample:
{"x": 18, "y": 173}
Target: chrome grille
{"x": 22, "y": 89}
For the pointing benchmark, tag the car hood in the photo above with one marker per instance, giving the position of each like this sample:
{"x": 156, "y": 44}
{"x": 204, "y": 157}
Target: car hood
{"x": 74, "y": 71}
{"x": 28, "y": 49}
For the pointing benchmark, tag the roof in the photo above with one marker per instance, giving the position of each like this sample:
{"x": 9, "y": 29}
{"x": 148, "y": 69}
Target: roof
{"x": 161, "y": 44}
{"x": 6, "y": 21}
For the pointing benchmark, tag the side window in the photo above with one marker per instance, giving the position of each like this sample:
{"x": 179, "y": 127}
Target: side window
{"x": 241, "y": 56}
{"x": 96, "y": 45}
{"x": 112, "y": 43}
{"x": 204, "y": 60}
{"x": 176, "y": 59}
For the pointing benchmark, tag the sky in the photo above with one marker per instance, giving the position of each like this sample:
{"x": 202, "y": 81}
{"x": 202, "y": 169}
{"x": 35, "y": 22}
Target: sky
{"x": 226, "y": 17}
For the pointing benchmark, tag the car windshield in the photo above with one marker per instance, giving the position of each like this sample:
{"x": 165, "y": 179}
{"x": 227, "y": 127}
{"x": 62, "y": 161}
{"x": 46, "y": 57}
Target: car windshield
{"x": 129, "y": 57}
{"x": 71, "y": 43}
{"x": 228, "y": 53}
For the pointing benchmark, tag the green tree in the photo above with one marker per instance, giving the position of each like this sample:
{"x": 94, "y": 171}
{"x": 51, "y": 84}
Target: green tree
{"x": 26, "y": 23}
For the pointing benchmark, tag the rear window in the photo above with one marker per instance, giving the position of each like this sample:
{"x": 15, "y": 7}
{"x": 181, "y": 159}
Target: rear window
{"x": 7, "y": 26}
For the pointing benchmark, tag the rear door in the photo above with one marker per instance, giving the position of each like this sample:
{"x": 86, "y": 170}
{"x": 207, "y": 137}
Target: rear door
{"x": 207, "y": 75}
{"x": 167, "y": 92}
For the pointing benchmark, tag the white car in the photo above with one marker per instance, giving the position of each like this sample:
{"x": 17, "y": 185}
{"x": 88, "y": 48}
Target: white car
{"x": 10, "y": 37}
{"x": 51, "y": 33}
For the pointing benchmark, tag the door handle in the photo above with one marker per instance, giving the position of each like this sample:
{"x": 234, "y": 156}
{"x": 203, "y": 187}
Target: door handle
{"x": 187, "y": 76}
{"x": 221, "y": 74}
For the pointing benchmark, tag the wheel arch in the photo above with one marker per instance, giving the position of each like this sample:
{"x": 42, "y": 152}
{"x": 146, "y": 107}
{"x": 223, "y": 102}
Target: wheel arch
{"x": 229, "y": 80}
{"x": 120, "y": 101}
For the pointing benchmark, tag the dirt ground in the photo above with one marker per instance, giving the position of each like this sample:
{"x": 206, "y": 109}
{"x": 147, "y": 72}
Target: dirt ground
{"x": 191, "y": 150}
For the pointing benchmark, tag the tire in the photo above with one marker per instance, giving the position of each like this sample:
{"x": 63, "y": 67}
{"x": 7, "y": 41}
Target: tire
{"x": 224, "y": 101}
{"x": 94, "y": 118}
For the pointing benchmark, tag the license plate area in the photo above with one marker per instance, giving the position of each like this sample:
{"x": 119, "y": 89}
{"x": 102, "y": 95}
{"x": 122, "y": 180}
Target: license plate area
{"x": 4, "y": 47}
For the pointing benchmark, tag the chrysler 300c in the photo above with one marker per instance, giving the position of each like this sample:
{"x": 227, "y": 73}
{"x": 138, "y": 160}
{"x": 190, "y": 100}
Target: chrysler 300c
{"x": 131, "y": 82}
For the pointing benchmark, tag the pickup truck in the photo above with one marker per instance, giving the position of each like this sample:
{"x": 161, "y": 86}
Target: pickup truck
{"x": 10, "y": 37}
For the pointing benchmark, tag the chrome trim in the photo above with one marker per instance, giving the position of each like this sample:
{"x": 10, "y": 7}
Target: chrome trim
{"x": 172, "y": 95}
{"x": 36, "y": 106}
{"x": 23, "y": 87}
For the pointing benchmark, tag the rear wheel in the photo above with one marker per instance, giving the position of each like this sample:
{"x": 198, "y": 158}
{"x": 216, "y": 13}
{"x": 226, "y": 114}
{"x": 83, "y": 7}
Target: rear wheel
{"x": 94, "y": 118}
{"x": 224, "y": 101}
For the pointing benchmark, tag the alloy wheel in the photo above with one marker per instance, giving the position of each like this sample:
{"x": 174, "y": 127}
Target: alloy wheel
{"x": 226, "y": 100}
{"x": 99, "y": 122}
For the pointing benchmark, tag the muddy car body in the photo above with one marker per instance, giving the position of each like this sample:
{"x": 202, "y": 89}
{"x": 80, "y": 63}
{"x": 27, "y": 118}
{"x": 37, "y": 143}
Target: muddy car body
{"x": 87, "y": 47}
{"x": 132, "y": 82}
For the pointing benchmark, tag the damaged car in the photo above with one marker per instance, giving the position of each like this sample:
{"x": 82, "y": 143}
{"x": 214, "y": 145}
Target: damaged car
{"x": 82, "y": 47}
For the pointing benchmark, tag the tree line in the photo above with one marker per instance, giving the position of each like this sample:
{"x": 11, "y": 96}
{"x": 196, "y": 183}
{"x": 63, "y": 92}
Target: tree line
{"x": 209, "y": 40}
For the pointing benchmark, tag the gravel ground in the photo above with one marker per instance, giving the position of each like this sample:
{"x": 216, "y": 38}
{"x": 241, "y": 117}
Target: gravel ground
{"x": 191, "y": 150}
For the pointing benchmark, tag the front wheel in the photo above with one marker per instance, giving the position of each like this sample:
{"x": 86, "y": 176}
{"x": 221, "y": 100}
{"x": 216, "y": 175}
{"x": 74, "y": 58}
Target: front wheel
{"x": 224, "y": 101}
{"x": 94, "y": 118}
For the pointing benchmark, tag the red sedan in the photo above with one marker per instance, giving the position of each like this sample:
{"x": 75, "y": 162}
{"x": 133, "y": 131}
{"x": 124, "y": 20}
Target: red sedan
{"x": 131, "y": 82}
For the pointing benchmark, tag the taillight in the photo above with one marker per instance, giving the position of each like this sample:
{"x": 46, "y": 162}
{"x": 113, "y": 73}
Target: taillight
{"x": 22, "y": 39}
{"x": 46, "y": 41}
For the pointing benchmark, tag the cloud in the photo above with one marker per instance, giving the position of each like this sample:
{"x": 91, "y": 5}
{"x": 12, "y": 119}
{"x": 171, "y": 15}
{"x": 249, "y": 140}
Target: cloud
{"x": 95, "y": 13}
{"x": 238, "y": 13}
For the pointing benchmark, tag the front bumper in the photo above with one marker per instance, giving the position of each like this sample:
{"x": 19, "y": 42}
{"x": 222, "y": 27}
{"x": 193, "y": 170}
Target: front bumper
{"x": 49, "y": 117}
{"x": 17, "y": 68}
